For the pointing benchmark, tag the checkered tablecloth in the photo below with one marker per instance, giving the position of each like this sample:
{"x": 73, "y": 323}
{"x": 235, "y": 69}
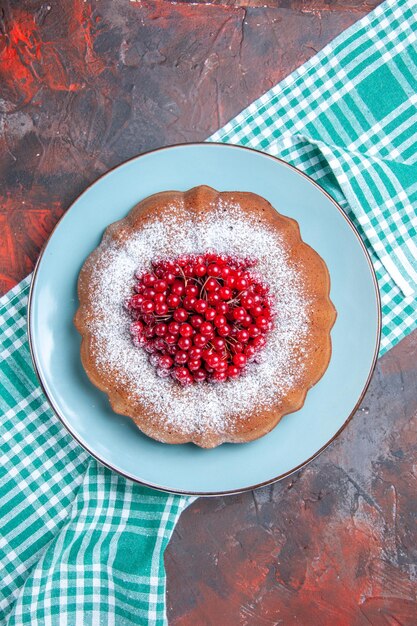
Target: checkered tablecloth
{"x": 80, "y": 545}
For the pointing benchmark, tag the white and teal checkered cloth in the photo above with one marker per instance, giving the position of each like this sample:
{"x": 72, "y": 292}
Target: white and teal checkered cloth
{"x": 80, "y": 545}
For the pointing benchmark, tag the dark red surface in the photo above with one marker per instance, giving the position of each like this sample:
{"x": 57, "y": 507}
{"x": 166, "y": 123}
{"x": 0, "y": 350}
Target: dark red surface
{"x": 86, "y": 85}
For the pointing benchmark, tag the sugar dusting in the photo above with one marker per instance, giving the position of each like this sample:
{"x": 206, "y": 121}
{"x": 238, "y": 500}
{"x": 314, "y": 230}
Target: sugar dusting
{"x": 196, "y": 408}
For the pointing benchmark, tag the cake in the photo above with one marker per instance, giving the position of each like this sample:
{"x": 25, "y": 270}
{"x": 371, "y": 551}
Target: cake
{"x": 224, "y": 262}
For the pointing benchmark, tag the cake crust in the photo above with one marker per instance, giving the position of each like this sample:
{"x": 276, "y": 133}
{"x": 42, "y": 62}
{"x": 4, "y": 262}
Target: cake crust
{"x": 315, "y": 353}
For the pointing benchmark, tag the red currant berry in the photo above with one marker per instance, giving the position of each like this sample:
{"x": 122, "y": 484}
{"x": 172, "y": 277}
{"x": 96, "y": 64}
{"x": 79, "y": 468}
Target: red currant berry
{"x": 250, "y": 351}
{"x": 201, "y": 306}
{"x": 239, "y": 313}
{"x": 185, "y": 343}
{"x": 173, "y": 300}
{"x": 200, "y": 376}
{"x": 181, "y": 374}
{"x": 239, "y": 360}
{"x": 195, "y": 353}
{"x": 243, "y": 335}
{"x": 180, "y": 315}
{"x": 165, "y": 362}
{"x": 154, "y": 360}
{"x": 191, "y": 290}
{"x": 186, "y": 330}
{"x": 160, "y": 286}
{"x": 214, "y": 270}
{"x": 206, "y": 329}
{"x": 267, "y": 312}
{"x": 225, "y": 293}
{"x": 147, "y": 306}
{"x": 256, "y": 310}
{"x": 222, "y": 366}
{"x": 232, "y": 371}
{"x": 174, "y": 328}
{"x": 138, "y": 340}
{"x": 258, "y": 342}
{"x": 160, "y": 344}
{"x": 200, "y": 270}
{"x": 169, "y": 278}
{"x": 161, "y": 308}
{"x": 181, "y": 357}
{"x": 213, "y": 360}
{"x": 189, "y": 270}
{"x": 254, "y": 331}
{"x": 219, "y": 377}
{"x": 220, "y": 320}
{"x": 231, "y": 279}
{"x": 222, "y": 308}
{"x": 196, "y": 321}
{"x": 149, "y": 293}
{"x": 218, "y": 343}
{"x": 136, "y": 301}
{"x": 241, "y": 283}
{"x": 200, "y": 341}
{"x": 210, "y": 314}
{"x": 148, "y": 279}
{"x": 177, "y": 288}
{"x": 161, "y": 329}
{"x": 262, "y": 323}
{"x": 194, "y": 364}
{"x": 182, "y": 261}
{"x": 189, "y": 302}
{"x": 149, "y": 332}
{"x": 213, "y": 297}
{"x": 247, "y": 321}
{"x": 247, "y": 301}
{"x": 139, "y": 288}
{"x": 136, "y": 328}
{"x": 211, "y": 284}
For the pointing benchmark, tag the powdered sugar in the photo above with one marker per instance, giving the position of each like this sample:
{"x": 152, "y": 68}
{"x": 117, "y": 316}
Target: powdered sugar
{"x": 217, "y": 407}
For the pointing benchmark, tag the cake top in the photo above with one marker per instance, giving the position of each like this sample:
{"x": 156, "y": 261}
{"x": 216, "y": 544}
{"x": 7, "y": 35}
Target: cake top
{"x": 193, "y": 408}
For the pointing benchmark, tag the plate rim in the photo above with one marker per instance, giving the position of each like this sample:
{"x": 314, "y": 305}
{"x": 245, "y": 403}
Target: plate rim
{"x": 161, "y": 488}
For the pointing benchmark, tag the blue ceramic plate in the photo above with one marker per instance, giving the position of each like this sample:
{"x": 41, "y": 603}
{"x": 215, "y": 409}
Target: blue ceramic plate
{"x": 114, "y": 440}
